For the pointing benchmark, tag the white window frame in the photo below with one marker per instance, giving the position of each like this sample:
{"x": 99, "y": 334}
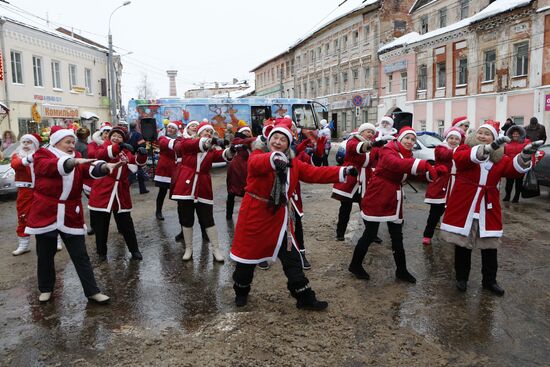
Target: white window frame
{"x": 16, "y": 67}
{"x": 424, "y": 24}
{"x": 404, "y": 81}
{"x": 524, "y": 59}
{"x": 56, "y": 82}
{"x": 463, "y": 9}
{"x": 461, "y": 72}
{"x": 88, "y": 81}
{"x": 441, "y": 80}
{"x": 73, "y": 76}
{"x": 442, "y": 17}
{"x": 489, "y": 67}
{"x": 38, "y": 71}
{"x": 390, "y": 82}
{"x": 422, "y": 78}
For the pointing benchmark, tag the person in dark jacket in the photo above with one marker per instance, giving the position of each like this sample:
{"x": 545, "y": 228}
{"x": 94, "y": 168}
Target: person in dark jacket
{"x": 535, "y": 131}
{"x": 508, "y": 124}
{"x": 81, "y": 145}
{"x": 136, "y": 141}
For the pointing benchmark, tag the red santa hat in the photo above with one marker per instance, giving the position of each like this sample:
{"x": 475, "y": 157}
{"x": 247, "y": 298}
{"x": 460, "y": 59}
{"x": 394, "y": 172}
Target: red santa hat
{"x": 366, "y": 126}
{"x": 105, "y": 126}
{"x": 282, "y": 129}
{"x": 462, "y": 120}
{"x": 405, "y": 130}
{"x": 492, "y": 126}
{"x": 204, "y": 120}
{"x": 455, "y": 131}
{"x": 244, "y": 128}
{"x": 387, "y": 119}
{"x": 174, "y": 124}
{"x": 204, "y": 125}
{"x": 57, "y": 133}
{"x": 194, "y": 122}
{"x": 33, "y": 138}
{"x": 119, "y": 129}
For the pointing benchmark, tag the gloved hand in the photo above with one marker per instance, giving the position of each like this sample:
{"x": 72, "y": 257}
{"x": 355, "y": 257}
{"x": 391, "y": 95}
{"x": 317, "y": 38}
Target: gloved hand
{"x": 366, "y": 146}
{"x": 320, "y": 148}
{"x": 263, "y": 139}
{"x": 280, "y": 161}
{"x": 30, "y": 159}
{"x": 350, "y": 171}
{"x": 303, "y": 145}
{"x": 431, "y": 173}
{"x": 126, "y": 146}
{"x": 379, "y": 143}
{"x": 218, "y": 142}
{"x": 142, "y": 151}
{"x": 530, "y": 149}
{"x": 500, "y": 141}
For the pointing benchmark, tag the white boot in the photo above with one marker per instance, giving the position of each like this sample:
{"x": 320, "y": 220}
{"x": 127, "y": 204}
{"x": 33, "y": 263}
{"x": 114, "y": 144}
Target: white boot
{"x": 188, "y": 238}
{"x": 59, "y": 243}
{"x": 99, "y": 298}
{"x": 214, "y": 244}
{"x": 45, "y": 297}
{"x": 23, "y": 246}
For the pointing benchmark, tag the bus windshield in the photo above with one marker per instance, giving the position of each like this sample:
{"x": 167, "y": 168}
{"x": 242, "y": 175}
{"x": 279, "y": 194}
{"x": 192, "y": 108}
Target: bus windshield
{"x": 304, "y": 116}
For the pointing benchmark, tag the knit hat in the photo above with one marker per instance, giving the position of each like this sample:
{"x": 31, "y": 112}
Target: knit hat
{"x": 492, "y": 126}
{"x": 462, "y": 120}
{"x": 57, "y": 133}
{"x": 105, "y": 126}
{"x": 366, "y": 126}
{"x": 204, "y": 125}
{"x": 455, "y": 131}
{"x": 387, "y": 119}
{"x": 323, "y": 123}
{"x": 33, "y": 138}
{"x": 405, "y": 130}
{"x": 119, "y": 129}
{"x": 283, "y": 129}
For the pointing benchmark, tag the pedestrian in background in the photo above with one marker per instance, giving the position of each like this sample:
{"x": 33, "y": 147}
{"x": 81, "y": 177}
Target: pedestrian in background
{"x": 535, "y": 131}
{"x": 136, "y": 141}
{"x": 518, "y": 141}
{"x": 325, "y": 132}
{"x": 81, "y": 146}
{"x": 8, "y": 139}
{"x": 508, "y": 124}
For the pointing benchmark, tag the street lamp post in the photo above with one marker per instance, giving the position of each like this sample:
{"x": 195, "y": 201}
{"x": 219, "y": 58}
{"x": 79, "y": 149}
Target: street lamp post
{"x": 113, "y": 96}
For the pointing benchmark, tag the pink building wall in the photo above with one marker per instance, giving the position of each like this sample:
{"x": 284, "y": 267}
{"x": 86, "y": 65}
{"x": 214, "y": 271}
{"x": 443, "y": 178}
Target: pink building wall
{"x": 419, "y": 113}
{"x": 486, "y": 109}
{"x": 459, "y": 108}
{"x": 521, "y": 105}
{"x": 438, "y": 112}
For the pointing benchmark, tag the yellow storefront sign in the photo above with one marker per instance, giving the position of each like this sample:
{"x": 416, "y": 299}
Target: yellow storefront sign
{"x": 60, "y": 112}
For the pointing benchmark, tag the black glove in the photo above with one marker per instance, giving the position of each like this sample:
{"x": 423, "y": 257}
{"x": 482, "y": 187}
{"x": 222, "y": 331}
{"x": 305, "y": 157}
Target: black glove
{"x": 263, "y": 139}
{"x": 235, "y": 148}
{"x": 218, "y": 142}
{"x": 351, "y": 171}
{"x": 379, "y": 143}
{"x": 497, "y": 143}
{"x": 280, "y": 163}
{"x": 142, "y": 151}
{"x": 126, "y": 146}
{"x": 532, "y": 148}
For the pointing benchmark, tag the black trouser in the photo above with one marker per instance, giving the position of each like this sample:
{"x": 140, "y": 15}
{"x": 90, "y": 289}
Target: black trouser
{"x": 161, "y": 196}
{"x": 436, "y": 211}
{"x": 370, "y": 233}
{"x": 292, "y": 266}
{"x": 46, "y": 248}
{"x": 125, "y": 225}
{"x": 186, "y": 212}
{"x": 299, "y": 232}
{"x": 344, "y": 213}
{"x": 510, "y": 184}
{"x": 229, "y": 205}
{"x": 141, "y": 180}
{"x": 489, "y": 264}
{"x": 325, "y": 157}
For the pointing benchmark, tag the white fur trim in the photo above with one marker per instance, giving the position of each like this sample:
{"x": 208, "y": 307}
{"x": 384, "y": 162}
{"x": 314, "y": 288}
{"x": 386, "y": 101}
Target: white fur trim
{"x": 366, "y": 126}
{"x": 162, "y": 179}
{"x": 453, "y": 133}
{"x": 490, "y": 128}
{"x": 281, "y": 130}
{"x": 387, "y": 119}
{"x": 60, "y": 162}
{"x": 32, "y": 139}
{"x": 59, "y": 135}
{"x": 244, "y": 128}
{"x": 133, "y": 167}
{"x": 517, "y": 165}
{"x": 205, "y": 127}
{"x": 406, "y": 132}
{"x": 341, "y": 175}
{"x": 171, "y": 144}
{"x": 435, "y": 201}
{"x": 110, "y": 152}
{"x": 473, "y": 155}
{"x": 415, "y": 166}
{"x": 173, "y": 125}
{"x": 202, "y": 141}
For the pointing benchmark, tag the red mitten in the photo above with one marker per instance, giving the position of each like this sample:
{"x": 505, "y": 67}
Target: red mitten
{"x": 320, "y": 150}
{"x": 431, "y": 173}
{"x": 441, "y": 170}
{"x": 302, "y": 146}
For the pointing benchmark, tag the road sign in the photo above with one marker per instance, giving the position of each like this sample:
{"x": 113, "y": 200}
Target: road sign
{"x": 357, "y": 100}
{"x": 357, "y": 111}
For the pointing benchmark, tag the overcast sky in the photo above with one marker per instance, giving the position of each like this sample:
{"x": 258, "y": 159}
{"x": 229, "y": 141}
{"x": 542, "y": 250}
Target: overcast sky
{"x": 205, "y": 40}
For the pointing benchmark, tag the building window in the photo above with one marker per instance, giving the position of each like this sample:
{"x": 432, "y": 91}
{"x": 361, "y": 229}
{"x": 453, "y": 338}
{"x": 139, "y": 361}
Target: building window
{"x": 518, "y": 120}
{"x": 327, "y": 49}
{"x": 521, "y": 58}
{"x": 464, "y": 7}
{"x": 424, "y": 24}
{"x": 56, "y": 75}
{"x": 367, "y": 77}
{"x": 462, "y": 71}
{"x": 441, "y": 74}
{"x": 88, "y": 80}
{"x": 441, "y": 127}
{"x": 319, "y": 86}
{"x": 297, "y": 60}
{"x": 355, "y": 38}
{"x": 422, "y": 77}
{"x": 403, "y": 81}
{"x": 72, "y": 76}
{"x": 345, "y": 42}
{"x": 442, "y": 17}
{"x": 336, "y": 45}
{"x": 345, "y": 79}
{"x": 489, "y": 65}
{"x": 319, "y": 52}
{"x": 37, "y": 71}
{"x": 390, "y": 81}
{"x": 399, "y": 25}
{"x": 327, "y": 85}
{"x": 16, "y": 67}
{"x": 335, "y": 82}
{"x": 366, "y": 32}
{"x": 422, "y": 125}
{"x": 355, "y": 74}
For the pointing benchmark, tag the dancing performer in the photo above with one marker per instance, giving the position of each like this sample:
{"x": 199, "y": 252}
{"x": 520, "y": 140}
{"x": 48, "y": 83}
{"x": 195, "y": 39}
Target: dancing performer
{"x": 518, "y": 141}
{"x": 166, "y": 165}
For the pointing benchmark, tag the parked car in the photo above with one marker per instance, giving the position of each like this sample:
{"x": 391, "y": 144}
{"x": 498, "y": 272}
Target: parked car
{"x": 7, "y": 174}
{"x": 426, "y": 142}
{"x": 542, "y": 168}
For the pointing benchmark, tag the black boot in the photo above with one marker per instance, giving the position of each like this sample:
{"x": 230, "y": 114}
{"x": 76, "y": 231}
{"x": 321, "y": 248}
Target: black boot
{"x": 494, "y": 288}
{"x": 305, "y": 263}
{"x": 377, "y": 240}
{"x": 516, "y": 198}
{"x": 356, "y": 265}
{"x": 229, "y": 205}
{"x": 241, "y": 294}
{"x": 179, "y": 236}
{"x": 136, "y": 255}
{"x": 204, "y": 234}
{"x": 489, "y": 267}
{"x": 306, "y": 300}
{"x": 462, "y": 285}
{"x": 158, "y": 214}
{"x": 506, "y": 197}
{"x": 401, "y": 272}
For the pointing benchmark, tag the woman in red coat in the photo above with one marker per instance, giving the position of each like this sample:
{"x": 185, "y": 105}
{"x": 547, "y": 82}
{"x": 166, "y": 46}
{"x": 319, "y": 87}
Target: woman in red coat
{"x": 438, "y": 190}
{"x": 518, "y": 141}
{"x": 236, "y": 173}
{"x": 166, "y": 165}
{"x": 383, "y": 201}
{"x": 473, "y": 217}
{"x": 112, "y": 193}
{"x": 265, "y": 227}
{"x": 21, "y": 162}
{"x": 57, "y": 210}
{"x": 193, "y": 186}
{"x": 358, "y": 154}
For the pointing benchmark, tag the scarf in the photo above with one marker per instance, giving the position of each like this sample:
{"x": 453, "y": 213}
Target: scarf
{"x": 495, "y": 156}
{"x": 278, "y": 198}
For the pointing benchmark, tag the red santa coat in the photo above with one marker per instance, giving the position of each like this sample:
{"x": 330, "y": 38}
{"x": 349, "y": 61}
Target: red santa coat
{"x": 24, "y": 180}
{"x": 296, "y": 197}
{"x": 476, "y": 194}
{"x": 193, "y": 181}
{"x": 383, "y": 200}
{"x": 437, "y": 191}
{"x": 24, "y": 171}
{"x": 167, "y": 160}
{"x": 237, "y": 171}
{"x": 112, "y": 193}
{"x": 57, "y": 196}
{"x": 92, "y": 150}
{"x": 260, "y": 231}
{"x": 363, "y": 163}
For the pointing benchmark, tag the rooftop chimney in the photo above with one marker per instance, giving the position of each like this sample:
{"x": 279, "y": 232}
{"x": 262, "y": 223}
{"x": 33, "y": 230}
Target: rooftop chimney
{"x": 172, "y": 78}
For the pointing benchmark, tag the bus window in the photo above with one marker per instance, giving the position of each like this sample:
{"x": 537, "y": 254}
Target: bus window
{"x": 303, "y": 116}
{"x": 259, "y": 115}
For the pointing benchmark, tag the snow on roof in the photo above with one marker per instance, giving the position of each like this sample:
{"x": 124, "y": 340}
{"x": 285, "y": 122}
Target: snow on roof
{"x": 237, "y": 93}
{"x": 499, "y": 6}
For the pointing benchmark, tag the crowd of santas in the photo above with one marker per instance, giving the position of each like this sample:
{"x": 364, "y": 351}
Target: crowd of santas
{"x": 266, "y": 172}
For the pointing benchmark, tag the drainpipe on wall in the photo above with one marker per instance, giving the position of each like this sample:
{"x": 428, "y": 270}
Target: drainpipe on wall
{"x": 3, "y": 49}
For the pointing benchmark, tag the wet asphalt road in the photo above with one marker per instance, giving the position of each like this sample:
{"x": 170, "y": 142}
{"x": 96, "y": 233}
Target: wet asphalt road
{"x": 162, "y": 293}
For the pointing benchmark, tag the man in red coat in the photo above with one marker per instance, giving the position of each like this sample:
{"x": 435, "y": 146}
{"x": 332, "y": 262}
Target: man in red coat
{"x": 473, "y": 217}
{"x": 21, "y": 162}
{"x": 272, "y": 178}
